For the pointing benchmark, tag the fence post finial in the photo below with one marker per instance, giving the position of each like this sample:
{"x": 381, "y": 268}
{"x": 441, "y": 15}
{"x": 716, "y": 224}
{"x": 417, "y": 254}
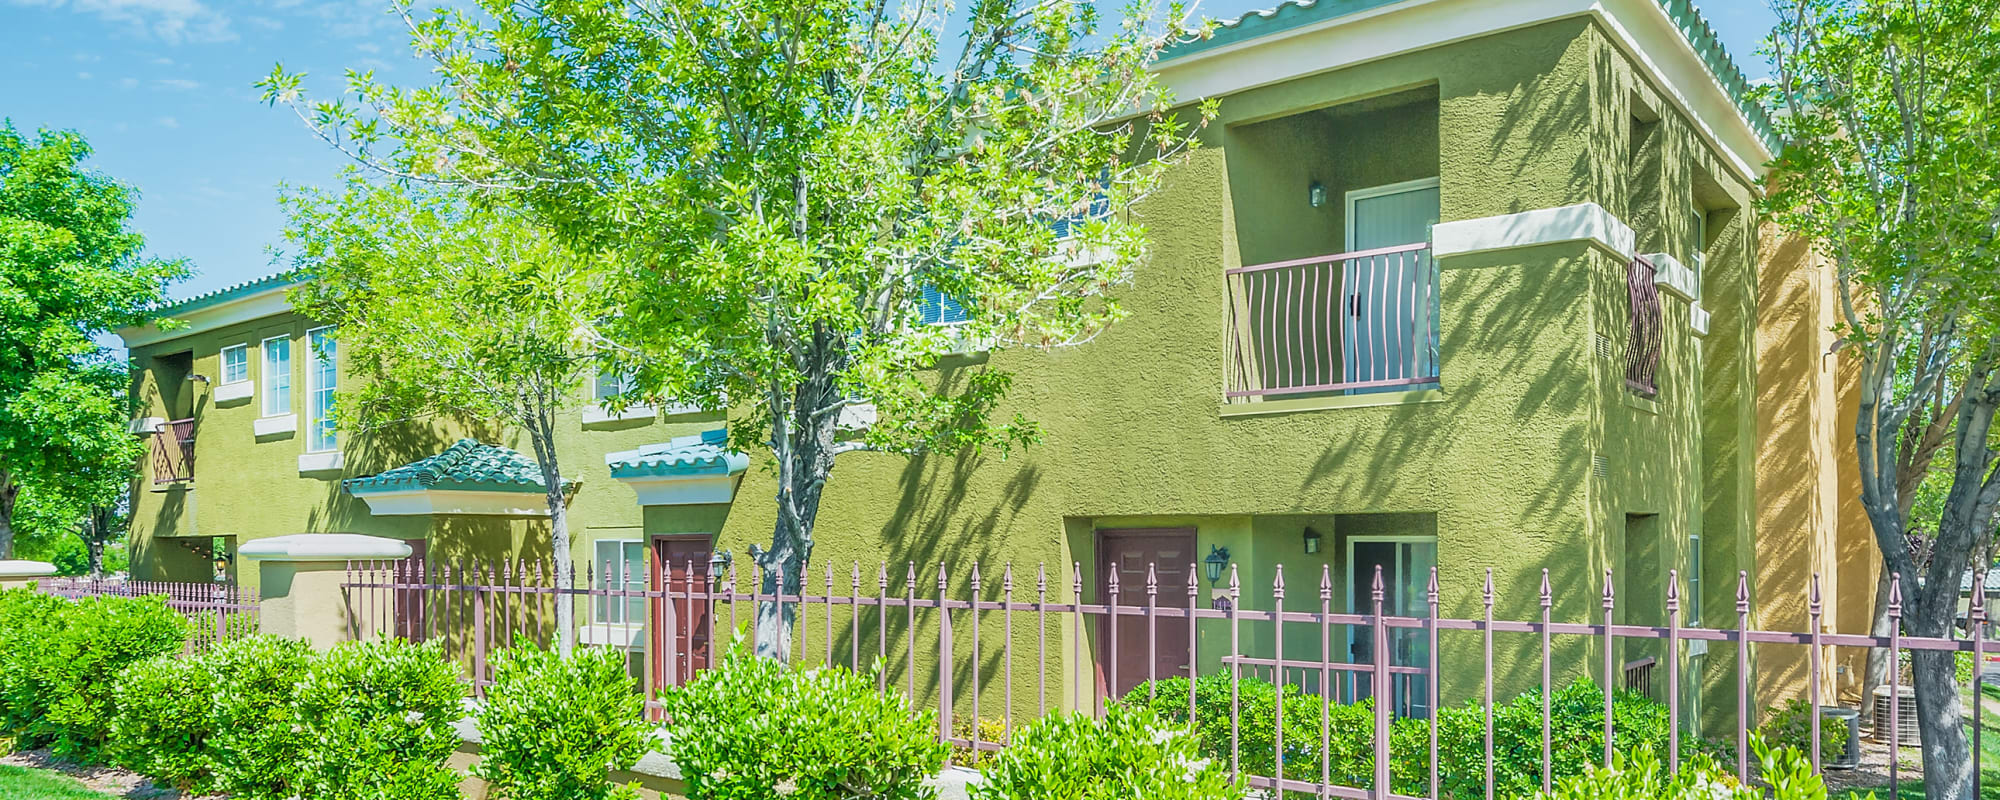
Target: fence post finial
{"x": 1610, "y": 594}
{"x": 1673, "y": 591}
{"x": 1007, "y": 579}
{"x": 1152, "y": 579}
{"x": 1325, "y": 582}
{"x": 1431, "y": 593}
{"x": 1278, "y": 583}
{"x": 1813, "y": 600}
{"x": 1742, "y": 592}
{"x": 1896, "y": 594}
{"x": 943, "y": 582}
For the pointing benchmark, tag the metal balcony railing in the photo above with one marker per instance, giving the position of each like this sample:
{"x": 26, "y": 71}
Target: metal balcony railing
{"x": 1345, "y": 323}
{"x": 173, "y": 452}
{"x": 1642, "y": 347}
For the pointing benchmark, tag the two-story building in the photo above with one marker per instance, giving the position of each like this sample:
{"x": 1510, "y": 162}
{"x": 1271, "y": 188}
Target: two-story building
{"x": 1460, "y": 284}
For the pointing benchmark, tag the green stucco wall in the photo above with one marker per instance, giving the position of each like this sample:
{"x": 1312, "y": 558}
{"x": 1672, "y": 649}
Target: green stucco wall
{"x": 1529, "y": 455}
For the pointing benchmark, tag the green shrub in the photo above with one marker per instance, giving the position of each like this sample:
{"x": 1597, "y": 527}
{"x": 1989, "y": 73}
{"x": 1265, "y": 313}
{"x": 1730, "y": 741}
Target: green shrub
{"x": 27, "y": 620}
{"x": 376, "y": 720}
{"x": 1130, "y": 753}
{"x": 1790, "y": 725}
{"x": 552, "y": 726}
{"x": 256, "y": 741}
{"x": 1351, "y": 727}
{"x": 162, "y": 723}
{"x": 753, "y": 729}
{"x": 93, "y": 641}
{"x": 1637, "y": 776}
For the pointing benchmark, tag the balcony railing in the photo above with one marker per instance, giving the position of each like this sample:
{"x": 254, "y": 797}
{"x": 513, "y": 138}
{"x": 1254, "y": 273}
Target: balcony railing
{"x": 173, "y": 452}
{"x": 1642, "y": 347}
{"x": 1349, "y": 323}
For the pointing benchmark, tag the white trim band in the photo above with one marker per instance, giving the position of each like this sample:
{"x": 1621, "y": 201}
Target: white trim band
{"x": 1698, "y": 319}
{"x": 1670, "y": 274}
{"x": 1584, "y": 222}
{"x": 272, "y": 426}
{"x": 231, "y": 392}
{"x": 329, "y": 461}
{"x": 417, "y": 502}
{"x": 22, "y": 568}
{"x": 267, "y": 303}
{"x": 322, "y": 547}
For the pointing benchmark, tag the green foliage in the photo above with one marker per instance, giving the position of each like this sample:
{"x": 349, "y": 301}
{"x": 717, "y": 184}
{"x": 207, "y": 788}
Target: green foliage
{"x": 752, "y": 729}
{"x": 375, "y": 721}
{"x": 1350, "y": 742}
{"x": 553, "y": 726}
{"x": 95, "y": 639}
{"x": 257, "y": 741}
{"x": 1637, "y": 775}
{"x": 1131, "y": 752}
{"x": 28, "y": 620}
{"x": 1790, "y": 725}
{"x": 73, "y": 271}
{"x": 163, "y": 721}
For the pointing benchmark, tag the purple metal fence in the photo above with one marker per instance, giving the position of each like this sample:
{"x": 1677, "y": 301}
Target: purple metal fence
{"x": 1366, "y": 320}
{"x": 475, "y": 610}
{"x": 218, "y": 612}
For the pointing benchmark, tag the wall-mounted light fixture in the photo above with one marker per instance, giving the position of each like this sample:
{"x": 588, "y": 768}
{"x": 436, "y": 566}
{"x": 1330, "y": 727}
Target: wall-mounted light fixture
{"x": 198, "y": 378}
{"x": 1316, "y": 194}
{"x": 1218, "y": 557}
{"x": 718, "y": 565}
{"x": 1312, "y": 538}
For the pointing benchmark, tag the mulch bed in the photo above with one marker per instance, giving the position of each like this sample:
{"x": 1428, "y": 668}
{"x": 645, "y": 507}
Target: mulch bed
{"x": 109, "y": 780}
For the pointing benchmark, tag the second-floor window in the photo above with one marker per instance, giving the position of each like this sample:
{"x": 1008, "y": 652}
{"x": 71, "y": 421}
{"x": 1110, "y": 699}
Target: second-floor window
{"x": 236, "y": 363}
{"x": 611, "y": 384}
{"x": 938, "y": 308}
{"x": 321, "y": 376}
{"x": 277, "y": 376}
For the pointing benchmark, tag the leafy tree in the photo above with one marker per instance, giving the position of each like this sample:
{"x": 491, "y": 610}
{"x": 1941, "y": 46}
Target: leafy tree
{"x": 795, "y": 187}
{"x": 70, "y": 271}
{"x": 447, "y": 310}
{"x": 1890, "y": 166}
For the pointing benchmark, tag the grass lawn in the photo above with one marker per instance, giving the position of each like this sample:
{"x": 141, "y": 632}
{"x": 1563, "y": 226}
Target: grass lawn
{"x": 21, "y": 783}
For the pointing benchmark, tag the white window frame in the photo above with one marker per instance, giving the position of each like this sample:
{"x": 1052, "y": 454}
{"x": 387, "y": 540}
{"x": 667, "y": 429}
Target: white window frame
{"x": 1693, "y": 580}
{"x": 315, "y": 362}
{"x": 277, "y": 399}
{"x": 596, "y": 412}
{"x": 600, "y": 611}
{"x": 243, "y": 352}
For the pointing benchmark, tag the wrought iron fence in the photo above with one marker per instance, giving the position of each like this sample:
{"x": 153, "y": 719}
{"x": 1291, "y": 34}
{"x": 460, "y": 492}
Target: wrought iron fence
{"x": 216, "y": 612}
{"x": 976, "y": 633}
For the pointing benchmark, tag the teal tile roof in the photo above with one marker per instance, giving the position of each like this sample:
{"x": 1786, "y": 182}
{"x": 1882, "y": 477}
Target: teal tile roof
{"x": 228, "y": 293}
{"x": 704, "y": 454}
{"x": 1688, "y": 19}
{"x": 466, "y": 466}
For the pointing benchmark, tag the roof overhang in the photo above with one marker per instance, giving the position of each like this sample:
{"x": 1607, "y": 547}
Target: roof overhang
{"x": 252, "y": 301}
{"x": 689, "y": 470}
{"x": 409, "y": 502}
{"x": 1643, "y": 29}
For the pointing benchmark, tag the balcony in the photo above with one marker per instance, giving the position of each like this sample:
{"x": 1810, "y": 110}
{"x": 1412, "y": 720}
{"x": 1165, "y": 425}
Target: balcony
{"x": 173, "y": 452}
{"x": 1642, "y": 344}
{"x": 1350, "y": 323}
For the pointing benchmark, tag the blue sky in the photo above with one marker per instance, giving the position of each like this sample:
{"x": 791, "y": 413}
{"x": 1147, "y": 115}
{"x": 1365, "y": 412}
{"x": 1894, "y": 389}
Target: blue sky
{"x": 162, "y": 89}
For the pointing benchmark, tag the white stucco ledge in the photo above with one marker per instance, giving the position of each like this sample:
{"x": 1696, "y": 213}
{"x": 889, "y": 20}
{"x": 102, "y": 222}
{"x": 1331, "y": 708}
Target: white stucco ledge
{"x": 1698, "y": 319}
{"x": 22, "y": 568}
{"x": 1584, "y": 222}
{"x": 146, "y": 425}
{"x": 323, "y": 547}
{"x": 1670, "y": 274}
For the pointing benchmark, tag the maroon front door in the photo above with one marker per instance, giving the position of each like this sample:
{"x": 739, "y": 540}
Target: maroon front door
{"x": 1139, "y": 652}
{"x": 680, "y": 563}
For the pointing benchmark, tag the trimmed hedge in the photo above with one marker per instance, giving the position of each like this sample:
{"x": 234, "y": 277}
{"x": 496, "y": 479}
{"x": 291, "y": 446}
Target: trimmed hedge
{"x": 256, "y": 739}
{"x": 27, "y": 619}
{"x": 751, "y": 729}
{"x": 91, "y": 641}
{"x": 164, "y": 722}
{"x": 1130, "y": 753}
{"x": 376, "y": 722}
{"x": 552, "y": 727}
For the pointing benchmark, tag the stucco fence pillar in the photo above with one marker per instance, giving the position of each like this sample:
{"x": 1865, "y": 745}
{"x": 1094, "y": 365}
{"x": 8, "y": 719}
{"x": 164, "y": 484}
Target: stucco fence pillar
{"x": 19, "y": 574}
{"x": 301, "y": 576}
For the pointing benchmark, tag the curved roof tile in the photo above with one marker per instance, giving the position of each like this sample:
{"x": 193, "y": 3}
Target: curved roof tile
{"x": 465, "y": 465}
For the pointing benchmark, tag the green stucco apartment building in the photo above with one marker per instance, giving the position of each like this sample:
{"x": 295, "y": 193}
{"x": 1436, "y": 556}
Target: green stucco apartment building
{"x": 1545, "y": 357}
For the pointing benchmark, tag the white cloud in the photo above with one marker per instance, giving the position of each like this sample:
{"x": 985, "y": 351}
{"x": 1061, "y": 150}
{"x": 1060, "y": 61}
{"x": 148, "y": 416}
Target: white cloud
{"x": 264, "y": 22}
{"x": 176, "y": 84}
{"x": 128, "y": 83}
{"x": 83, "y": 76}
{"x": 169, "y": 122}
{"x": 170, "y": 21}
{"x": 368, "y": 47}
{"x": 87, "y": 58}
{"x": 164, "y": 61}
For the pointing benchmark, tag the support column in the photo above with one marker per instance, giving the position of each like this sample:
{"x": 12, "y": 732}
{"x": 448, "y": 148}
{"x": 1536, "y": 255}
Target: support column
{"x": 301, "y": 576}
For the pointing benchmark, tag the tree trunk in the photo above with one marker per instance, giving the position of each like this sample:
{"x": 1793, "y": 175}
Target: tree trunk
{"x": 9, "y": 492}
{"x": 95, "y": 548}
{"x": 804, "y": 422}
{"x": 1876, "y": 672}
{"x": 541, "y": 436}
{"x": 1941, "y": 723}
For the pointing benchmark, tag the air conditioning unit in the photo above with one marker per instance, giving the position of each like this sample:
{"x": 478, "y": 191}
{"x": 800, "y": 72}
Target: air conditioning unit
{"x": 1906, "y": 716}
{"x": 1842, "y": 725}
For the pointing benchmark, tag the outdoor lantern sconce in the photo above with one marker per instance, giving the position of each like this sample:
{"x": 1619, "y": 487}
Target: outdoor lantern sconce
{"x": 1316, "y": 194}
{"x": 718, "y": 565}
{"x": 1312, "y": 541}
{"x": 1218, "y": 557}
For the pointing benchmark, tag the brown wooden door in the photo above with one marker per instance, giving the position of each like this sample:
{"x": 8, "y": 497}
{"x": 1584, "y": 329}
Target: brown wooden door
{"x": 680, "y": 563}
{"x": 1163, "y": 646}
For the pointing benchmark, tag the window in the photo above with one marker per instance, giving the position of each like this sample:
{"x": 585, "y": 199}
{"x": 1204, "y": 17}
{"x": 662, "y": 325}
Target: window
{"x": 277, "y": 376}
{"x": 1694, "y": 582}
{"x": 320, "y": 379}
{"x": 619, "y": 565}
{"x": 938, "y": 308}
{"x": 236, "y": 363}
{"x": 611, "y": 384}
